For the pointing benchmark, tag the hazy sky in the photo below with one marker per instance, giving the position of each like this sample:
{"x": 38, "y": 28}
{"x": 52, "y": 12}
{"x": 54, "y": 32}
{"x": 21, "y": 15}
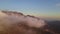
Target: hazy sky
{"x": 43, "y": 8}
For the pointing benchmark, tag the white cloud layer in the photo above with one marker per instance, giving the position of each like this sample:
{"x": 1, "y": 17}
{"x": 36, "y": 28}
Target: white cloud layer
{"x": 31, "y": 21}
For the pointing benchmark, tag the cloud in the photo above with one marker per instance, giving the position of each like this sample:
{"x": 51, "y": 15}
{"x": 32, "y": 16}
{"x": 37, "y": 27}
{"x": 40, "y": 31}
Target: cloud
{"x": 14, "y": 18}
{"x": 58, "y": 4}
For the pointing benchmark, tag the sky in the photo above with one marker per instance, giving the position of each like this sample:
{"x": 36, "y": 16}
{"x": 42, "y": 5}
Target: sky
{"x": 41, "y": 8}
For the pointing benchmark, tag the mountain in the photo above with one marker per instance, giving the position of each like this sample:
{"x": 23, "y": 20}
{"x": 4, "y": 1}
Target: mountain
{"x": 54, "y": 25}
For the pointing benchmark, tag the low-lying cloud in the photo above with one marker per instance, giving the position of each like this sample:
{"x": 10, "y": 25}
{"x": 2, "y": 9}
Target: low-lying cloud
{"x": 11, "y": 22}
{"x": 33, "y": 22}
